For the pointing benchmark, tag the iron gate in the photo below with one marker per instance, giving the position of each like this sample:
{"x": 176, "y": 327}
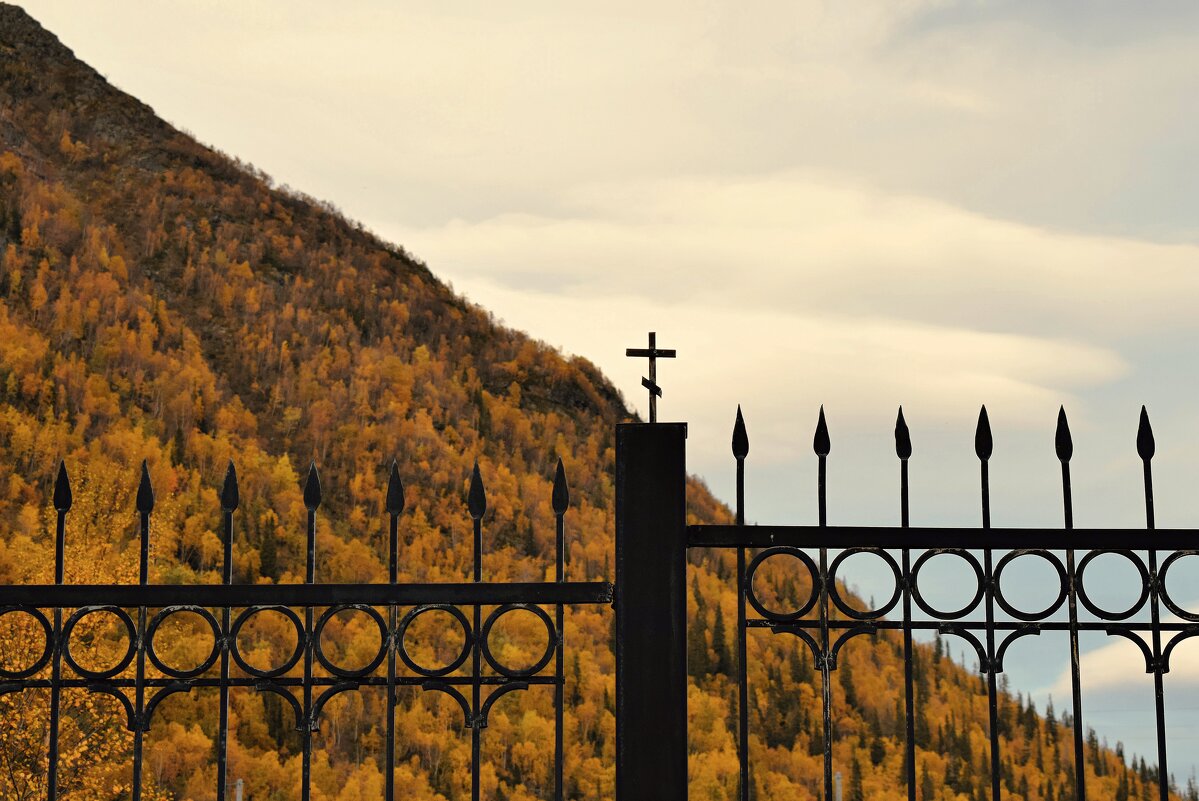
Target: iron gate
{"x": 652, "y": 542}
{"x": 487, "y": 679}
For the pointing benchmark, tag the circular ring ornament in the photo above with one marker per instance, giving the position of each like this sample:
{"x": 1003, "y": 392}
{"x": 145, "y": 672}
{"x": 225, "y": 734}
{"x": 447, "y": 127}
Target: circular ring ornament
{"x": 955, "y": 614}
{"x": 1107, "y": 614}
{"x": 1164, "y": 593}
{"x": 369, "y": 667}
{"x": 1054, "y": 562}
{"x": 551, "y": 640}
{"x": 865, "y": 614}
{"x": 42, "y": 660}
{"x": 752, "y": 596}
{"x": 79, "y": 614}
{"x": 287, "y": 664}
{"x": 467, "y": 639}
{"x": 182, "y": 673}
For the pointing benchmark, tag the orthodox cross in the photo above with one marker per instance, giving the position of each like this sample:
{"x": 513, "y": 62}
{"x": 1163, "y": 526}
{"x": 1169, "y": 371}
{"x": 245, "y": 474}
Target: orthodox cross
{"x": 653, "y": 354}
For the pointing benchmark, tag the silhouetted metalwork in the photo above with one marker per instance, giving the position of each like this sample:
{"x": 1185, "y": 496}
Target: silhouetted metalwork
{"x": 740, "y": 451}
{"x": 651, "y": 612}
{"x": 653, "y": 353}
{"x": 652, "y": 542}
{"x": 488, "y": 678}
{"x": 825, "y": 621}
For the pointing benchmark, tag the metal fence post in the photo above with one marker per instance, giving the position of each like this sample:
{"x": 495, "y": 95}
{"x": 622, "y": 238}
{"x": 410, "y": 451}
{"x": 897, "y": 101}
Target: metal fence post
{"x": 651, "y": 612}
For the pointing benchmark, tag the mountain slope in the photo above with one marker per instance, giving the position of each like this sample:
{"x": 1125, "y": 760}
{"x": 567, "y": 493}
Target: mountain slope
{"x": 162, "y": 301}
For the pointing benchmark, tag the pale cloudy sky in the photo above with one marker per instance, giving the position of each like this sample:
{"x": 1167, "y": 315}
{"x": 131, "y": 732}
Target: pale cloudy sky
{"x": 861, "y": 204}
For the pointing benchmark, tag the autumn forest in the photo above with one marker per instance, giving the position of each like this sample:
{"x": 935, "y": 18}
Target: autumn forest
{"x": 161, "y": 301}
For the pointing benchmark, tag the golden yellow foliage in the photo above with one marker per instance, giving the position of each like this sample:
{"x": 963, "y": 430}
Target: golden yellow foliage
{"x": 160, "y": 301}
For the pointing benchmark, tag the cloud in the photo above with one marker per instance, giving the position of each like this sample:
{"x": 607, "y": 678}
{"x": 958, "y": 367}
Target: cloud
{"x": 802, "y": 242}
{"x": 1048, "y": 117}
{"x": 1107, "y": 668}
{"x": 928, "y": 202}
{"x": 1118, "y": 699}
{"x": 860, "y": 366}
{"x": 793, "y": 280}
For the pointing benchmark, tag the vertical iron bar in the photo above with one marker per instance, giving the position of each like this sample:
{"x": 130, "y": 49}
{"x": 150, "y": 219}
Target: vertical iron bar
{"x": 229, "y": 502}
{"x": 1146, "y": 448}
{"x": 391, "y": 664}
{"x": 821, "y": 444}
{"x": 651, "y": 612}
{"x": 477, "y": 504}
{"x": 740, "y": 451}
{"x": 475, "y": 687}
{"x": 395, "y": 505}
{"x": 312, "y": 501}
{"x": 903, "y": 449}
{"x": 145, "y": 505}
{"x": 560, "y": 499}
{"x": 1065, "y": 449}
{"x": 992, "y": 688}
{"x": 62, "y": 504}
{"x": 742, "y": 680}
{"x": 983, "y": 448}
{"x": 908, "y": 650}
{"x": 825, "y": 652}
{"x": 391, "y": 667}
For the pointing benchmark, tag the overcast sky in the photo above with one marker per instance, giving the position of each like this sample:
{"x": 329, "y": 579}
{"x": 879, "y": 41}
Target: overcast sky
{"x": 938, "y": 204}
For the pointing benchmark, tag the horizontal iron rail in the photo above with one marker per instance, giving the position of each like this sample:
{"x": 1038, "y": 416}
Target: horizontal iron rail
{"x": 276, "y": 681}
{"x": 239, "y": 595}
{"x": 967, "y": 624}
{"x": 887, "y": 537}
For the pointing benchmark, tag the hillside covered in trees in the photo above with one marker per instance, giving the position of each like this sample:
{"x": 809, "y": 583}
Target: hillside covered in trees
{"x": 161, "y": 301}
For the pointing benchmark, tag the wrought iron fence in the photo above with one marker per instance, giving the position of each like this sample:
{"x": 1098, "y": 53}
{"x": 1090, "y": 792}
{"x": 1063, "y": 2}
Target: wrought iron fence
{"x": 652, "y": 543}
{"x": 309, "y": 677}
{"x": 652, "y": 530}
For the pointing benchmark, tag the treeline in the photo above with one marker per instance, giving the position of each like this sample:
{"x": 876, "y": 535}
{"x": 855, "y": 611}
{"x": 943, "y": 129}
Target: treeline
{"x": 161, "y": 302}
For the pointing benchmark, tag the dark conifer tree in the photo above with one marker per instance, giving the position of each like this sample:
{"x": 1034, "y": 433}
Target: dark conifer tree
{"x": 722, "y": 661}
{"x": 268, "y": 556}
{"x": 845, "y": 674}
{"x": 697, "y": 648}
{"x": 856, "y": 793}
{"x": 922, "y": 730}
{"x": 928, "y": 790}
{"x": 878, "y": 750}
{"x": 1050, "y": 722}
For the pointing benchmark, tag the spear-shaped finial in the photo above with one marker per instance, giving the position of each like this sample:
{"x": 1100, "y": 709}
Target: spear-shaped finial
{"x": 145, "y": 492}
{"x": 395, "y": 491}
{"x": 1146, "y": 446}
{"x": 820, "y": 442}
{"x": 560, "y": 499}
{"x": 62, "y": 489}
{"x": 982, "y": 436}
{"x": 740, "y": 451}
{"x": 903, "y": 440}
{"x": 1062, "y": 441}
{"x": 903, "y": 449}
{"x": 230, "y": 497}
{"x": 476, "y": 499}
{"x": 740, "y": 438}
{"x": 312, "y": 489}
{"x": 1064, "y": 445}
